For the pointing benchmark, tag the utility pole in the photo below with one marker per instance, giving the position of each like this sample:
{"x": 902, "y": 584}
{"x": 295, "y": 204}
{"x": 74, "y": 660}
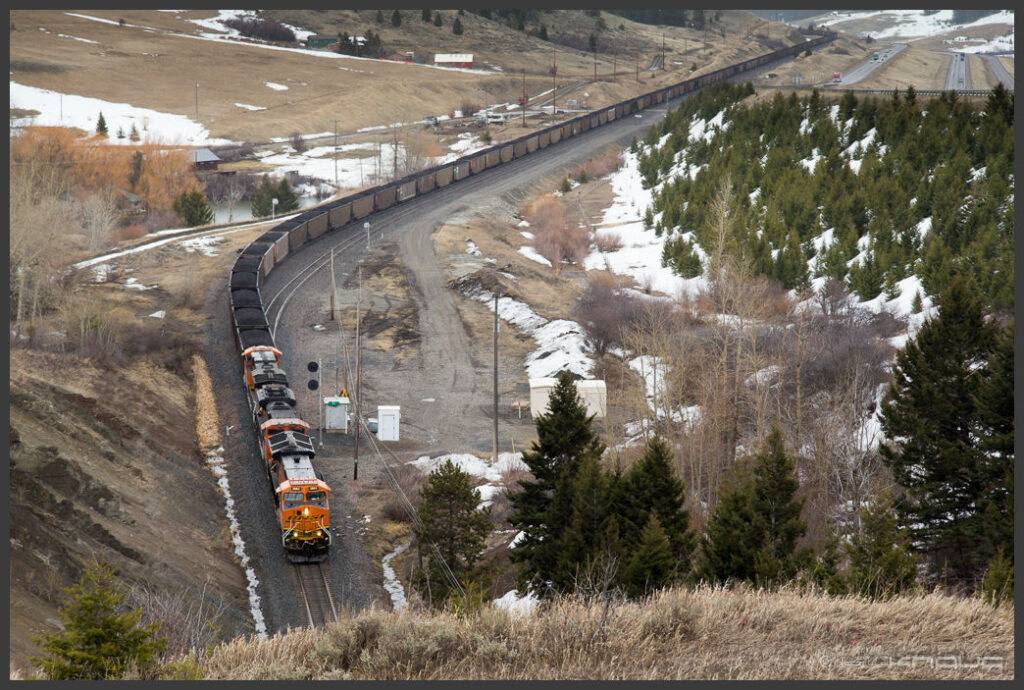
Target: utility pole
{"x": 495, "y": 377}
{"x": 359, "y": 399}
{"x": 332, "y": 284}
{"x": 554, "y": 71}
{"x": 524, "y": 97}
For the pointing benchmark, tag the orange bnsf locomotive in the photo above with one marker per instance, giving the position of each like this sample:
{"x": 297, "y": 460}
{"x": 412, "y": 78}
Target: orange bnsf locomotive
{"x": 286, "y": 450}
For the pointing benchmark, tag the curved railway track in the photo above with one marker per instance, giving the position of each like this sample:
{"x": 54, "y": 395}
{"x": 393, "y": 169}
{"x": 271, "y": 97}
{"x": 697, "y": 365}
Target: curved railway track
{"x": 313, "y": 585}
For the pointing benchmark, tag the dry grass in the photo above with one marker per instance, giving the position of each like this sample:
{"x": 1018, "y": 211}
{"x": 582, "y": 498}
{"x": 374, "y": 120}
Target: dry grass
{"x": 207, "y": 422}
{"x": 703, "y": 633}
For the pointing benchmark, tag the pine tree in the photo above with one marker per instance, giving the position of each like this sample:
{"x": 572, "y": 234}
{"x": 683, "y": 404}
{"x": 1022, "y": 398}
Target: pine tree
{"x": 929, "y": 421}
{"x": 776, "y": 513}
{"x": 193, "y": 208}
{"x": 286, "y": 199}
{"x": 651, "y": 565}
{"x": 882, "y": 563}
{"x": 134, "y": 134}
{"x": 262, "y": 199}
{"x": 396, "y": 18}
{"x": 728, "y": 544}
{"x": 582, "y": 543}
{"x": 653, "y": 489}
{"x": 994, "y": 401}
{"x": 380, "y": 16}
{"x": 543, "y": 507}
{"x": 457, "y": 27}
{"x": 425, "y": 15}
{"x": 825, "y": 572}
{"x": 101, "y": 125}
{"x": 543, "y": 32}
{"x": 437, "y": 19}
{"x": 451, "y": 520}
{"x": 998, "y": 583}
{"x": 753, "y": 532}
{"x": 100, "y": 640}
{"x": 136, "y": 174}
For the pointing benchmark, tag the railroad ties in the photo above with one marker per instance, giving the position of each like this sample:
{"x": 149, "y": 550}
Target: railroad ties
{"x": 316, "y": 597}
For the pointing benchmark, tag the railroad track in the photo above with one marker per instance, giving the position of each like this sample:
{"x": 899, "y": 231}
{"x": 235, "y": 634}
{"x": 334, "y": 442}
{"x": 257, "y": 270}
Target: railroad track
{"x": 316, "y": 597}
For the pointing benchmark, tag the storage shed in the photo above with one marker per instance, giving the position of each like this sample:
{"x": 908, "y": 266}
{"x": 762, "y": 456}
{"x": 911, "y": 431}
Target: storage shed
{"x": 204, "y": 159}
{"x": 388, "y": 417}
{"x": 592, "y": 392}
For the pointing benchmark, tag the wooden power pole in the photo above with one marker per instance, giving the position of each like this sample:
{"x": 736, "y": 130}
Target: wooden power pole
{"x": 495, "y": 377}
{"x": 359, "y": 398}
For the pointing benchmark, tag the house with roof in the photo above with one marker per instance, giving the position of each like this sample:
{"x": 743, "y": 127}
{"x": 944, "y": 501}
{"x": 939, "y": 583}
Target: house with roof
{"x": 204, "y": 159}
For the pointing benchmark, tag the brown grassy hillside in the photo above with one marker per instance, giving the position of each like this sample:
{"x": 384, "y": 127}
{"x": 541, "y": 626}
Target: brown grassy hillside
{"x": 154, "y": 61}
{"x": 701, "y": 634}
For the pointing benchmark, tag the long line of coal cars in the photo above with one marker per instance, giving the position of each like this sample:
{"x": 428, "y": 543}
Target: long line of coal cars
{"x": 308, "y": 537}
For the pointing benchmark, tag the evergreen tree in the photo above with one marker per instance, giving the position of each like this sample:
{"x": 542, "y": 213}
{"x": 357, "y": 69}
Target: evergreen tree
{"x": 457, "y": 27}
{"x": 193, "y": 208}
{"x": 825, "y": 572}
{"x": 583, "y": 543}
{"x": 136, "y": 174}
{"x": 882, "y": 563}
{"x": 728, "y": 544}
{"x": 437, "y": 19}
{"x": 101, "y": 125}
{"x": 998, "y": 583}
{"x": 653, "y": 489}
{"x": 262, "y": 200}
{"x": 396, "y": 18}
{"x": 753, "y": 532}
{"x": 425, "y": 15}
{"x": 380, "y": 16}
{"x": 994, "y": 431}
{"x": 929, "y": 419}
{"x": 543, "y": 508}
{"x": 451, "y": 521}
{"x": 100, "y": 640}
{"x": 543, "y": 32}
{"x": 134, "y": 134}
{"x": 776, "y": 514}
{"x": 651, "y": 565}
{"x": 286, "y": 199}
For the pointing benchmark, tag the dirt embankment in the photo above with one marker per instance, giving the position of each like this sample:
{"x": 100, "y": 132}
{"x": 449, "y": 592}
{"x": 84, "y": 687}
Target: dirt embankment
{"x": 104, "y": 465}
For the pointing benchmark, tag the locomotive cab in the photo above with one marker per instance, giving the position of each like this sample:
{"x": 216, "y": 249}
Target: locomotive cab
{"x": 305, "y": 518}
{"x": 263, "y": 366}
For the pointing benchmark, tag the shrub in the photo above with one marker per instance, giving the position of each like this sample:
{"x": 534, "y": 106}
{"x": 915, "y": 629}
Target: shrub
{"x": 605, "y": 313}
{"x": 608, "y": 241}
{"x": 98, "y": 641}
{"x": 263, "y": 29}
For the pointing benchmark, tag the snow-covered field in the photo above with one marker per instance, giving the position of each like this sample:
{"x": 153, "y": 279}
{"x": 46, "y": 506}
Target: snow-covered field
{"x": 911, "y": 25}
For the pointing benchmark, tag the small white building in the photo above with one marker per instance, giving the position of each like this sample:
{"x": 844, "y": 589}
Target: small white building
{"x": 388, "y": 417}
{"x": 592, "y": 392}
{"x": 336, "y": 413}
{"x": 454, "y": 59}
